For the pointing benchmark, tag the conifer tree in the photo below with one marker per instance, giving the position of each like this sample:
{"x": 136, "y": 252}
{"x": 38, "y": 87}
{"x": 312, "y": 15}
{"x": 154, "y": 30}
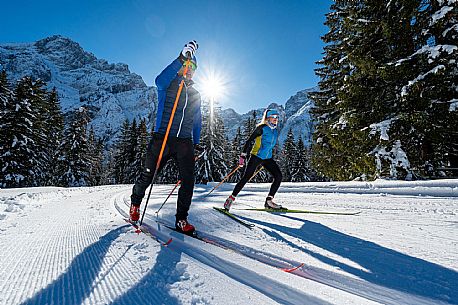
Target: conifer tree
{"x": 301, "y": 170}
{"x": 24, "y": 152}
{"x": 288, "y": 155}
{"x": 95, "y": 157}
{"x": 169, "y": 173}
{"x": 249, "y": 125}
{"x": 234, "y": 154}
{"x": 429, "y": 91}
{"x": 140, "y": 150}
{"x": 6, "y": 126}
{"x": 74, "y": 165}
{"x": 122, "y": 153}
{"x": 41, "y": 129}
{"x": 212, "y": 165}
{"x": 131, "y": 153}
{"x": 335, "y": 65}
{"x": 54, "y": 121}
{"x": 6, "y": 94}
{"x": 108, "y": 174}
{"x": 371, "y": 99}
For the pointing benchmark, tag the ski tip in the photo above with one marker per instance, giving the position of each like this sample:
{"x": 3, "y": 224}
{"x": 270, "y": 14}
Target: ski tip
{"x": 167, "y": 243}
{"x": 289, "y": 270}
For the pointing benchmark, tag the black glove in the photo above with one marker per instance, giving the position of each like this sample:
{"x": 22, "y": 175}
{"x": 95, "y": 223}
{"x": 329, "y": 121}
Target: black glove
{"x": 189, "y": 50}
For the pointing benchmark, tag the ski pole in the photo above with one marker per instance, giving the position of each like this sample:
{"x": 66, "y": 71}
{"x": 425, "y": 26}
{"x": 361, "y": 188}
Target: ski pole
{"x": 176, "y": 185}
{"x": 225, "y": 178}
{"x": 164, "y": 142}
{"x": 170, "y": 194}
{"x": 257, "y": 172}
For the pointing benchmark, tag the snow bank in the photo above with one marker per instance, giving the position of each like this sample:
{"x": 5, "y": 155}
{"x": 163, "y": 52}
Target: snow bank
{"x": 434, "y": 188}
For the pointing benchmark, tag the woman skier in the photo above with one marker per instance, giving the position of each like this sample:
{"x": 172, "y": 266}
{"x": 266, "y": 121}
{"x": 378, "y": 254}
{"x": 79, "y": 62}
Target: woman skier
{"x": 265, "y": 136}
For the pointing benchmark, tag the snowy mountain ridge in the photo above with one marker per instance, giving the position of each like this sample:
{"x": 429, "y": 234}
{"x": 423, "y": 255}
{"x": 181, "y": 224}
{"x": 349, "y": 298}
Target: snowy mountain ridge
{"x": 112, "y": 93}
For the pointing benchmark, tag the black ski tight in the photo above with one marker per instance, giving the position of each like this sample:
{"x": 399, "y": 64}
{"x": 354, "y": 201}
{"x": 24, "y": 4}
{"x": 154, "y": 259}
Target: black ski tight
{"x": 183, "y": 152}
{"x": 269, "y": 164}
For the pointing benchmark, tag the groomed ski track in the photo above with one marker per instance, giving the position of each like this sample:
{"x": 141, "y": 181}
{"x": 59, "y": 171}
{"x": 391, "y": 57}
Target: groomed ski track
{"x": 71, "y": 246}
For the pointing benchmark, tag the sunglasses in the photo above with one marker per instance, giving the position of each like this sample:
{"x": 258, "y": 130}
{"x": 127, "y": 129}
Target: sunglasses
{"x": 192, "y": 65}
{"x": 273, "y": 116}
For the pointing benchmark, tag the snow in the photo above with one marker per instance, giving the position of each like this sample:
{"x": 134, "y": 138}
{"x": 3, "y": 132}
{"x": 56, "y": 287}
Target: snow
{"x": 440, "y": 14}
{"x": 71, "y": 246}
{"x": 432, "y": 52}
{"x": 420, "y": 77}
{"x": 341, "y": 124}
{"x": 383, "y": 128}
{"x": 110, "y": 92}
{"x": 452, "y": 28}
{"x": 396, "y": 158}
{"x": 453, "y": 105}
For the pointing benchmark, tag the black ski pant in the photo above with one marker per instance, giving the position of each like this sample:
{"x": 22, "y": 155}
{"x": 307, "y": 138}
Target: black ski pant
{"x": 269, "y": 164}
{"x": 182, "y": 150}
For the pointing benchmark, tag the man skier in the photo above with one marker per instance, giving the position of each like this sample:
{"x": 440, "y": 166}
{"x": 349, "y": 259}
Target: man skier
{"x": 265, "y": 136}
{"x": 184, "y": 132}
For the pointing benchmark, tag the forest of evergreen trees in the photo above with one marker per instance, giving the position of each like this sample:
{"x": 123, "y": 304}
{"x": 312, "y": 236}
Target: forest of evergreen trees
{"x": 388, "y": 91}
{"x": 387, "y": 106}
{"x": 36, "y": 149}
{"x": 220, "y": 156}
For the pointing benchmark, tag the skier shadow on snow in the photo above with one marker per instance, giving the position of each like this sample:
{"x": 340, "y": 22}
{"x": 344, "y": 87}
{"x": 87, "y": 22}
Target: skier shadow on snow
{"x": 384, "y": 266}
{"x": 154, "y": 287}
{"x": 75, "y": 284}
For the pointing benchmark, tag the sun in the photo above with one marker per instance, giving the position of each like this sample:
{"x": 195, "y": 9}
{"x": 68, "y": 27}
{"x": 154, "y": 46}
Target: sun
{"x": 213, "y": 86}
{"x": 213, "y": 89}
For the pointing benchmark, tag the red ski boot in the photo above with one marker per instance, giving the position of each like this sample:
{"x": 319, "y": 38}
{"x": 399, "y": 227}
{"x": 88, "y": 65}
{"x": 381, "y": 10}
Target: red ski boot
{"x": 184, "y": 226}
{"x": 134, "y": 212}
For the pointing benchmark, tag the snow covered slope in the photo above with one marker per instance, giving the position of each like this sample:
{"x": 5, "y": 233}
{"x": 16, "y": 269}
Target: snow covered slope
{"x": 71, "y": 246}
{"x": 110, "y": 91}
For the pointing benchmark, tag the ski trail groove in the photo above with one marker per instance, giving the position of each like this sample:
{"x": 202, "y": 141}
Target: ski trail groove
{"x": 282, "y": 293}
{"x": 356, "y": 287}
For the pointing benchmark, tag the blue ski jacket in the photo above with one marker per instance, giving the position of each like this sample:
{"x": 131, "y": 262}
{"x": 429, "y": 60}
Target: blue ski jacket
{"x": 265, "y": 140}
{"x": 187, "y": 121}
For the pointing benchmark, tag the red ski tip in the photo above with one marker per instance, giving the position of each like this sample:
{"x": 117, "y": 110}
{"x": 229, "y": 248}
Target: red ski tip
{"x": 292, "y": 269}
{"x": 138, "y": 231}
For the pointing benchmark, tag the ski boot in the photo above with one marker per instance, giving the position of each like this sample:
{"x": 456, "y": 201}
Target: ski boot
{"x": 184, "y": 227}
{"x": 134, "y": 212}
{"x": 229, "y": 201}
{"x": 271, "y": 205}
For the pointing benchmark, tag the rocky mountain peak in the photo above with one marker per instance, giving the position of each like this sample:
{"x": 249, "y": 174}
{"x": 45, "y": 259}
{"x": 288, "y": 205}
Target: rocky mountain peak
{"x": 65, "y": 52}
{"x": 111, "y": 93}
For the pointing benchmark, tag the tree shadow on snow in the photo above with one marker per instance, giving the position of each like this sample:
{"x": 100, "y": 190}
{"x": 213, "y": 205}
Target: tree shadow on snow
{"x": 75, "y": 284}
{"x": 154, "y": 287}
{"x": 384, "y": 266}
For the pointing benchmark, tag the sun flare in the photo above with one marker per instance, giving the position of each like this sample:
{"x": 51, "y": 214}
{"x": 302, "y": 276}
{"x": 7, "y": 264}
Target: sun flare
{"x": 213, "y": 87}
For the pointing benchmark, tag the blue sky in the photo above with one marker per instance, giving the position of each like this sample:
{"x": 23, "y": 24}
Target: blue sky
{"x": 262, "y": 51}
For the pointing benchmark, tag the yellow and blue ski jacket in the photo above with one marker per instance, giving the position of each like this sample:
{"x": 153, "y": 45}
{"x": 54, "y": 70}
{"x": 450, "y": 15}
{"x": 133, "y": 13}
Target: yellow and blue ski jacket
{"x": 265, "y": 139}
